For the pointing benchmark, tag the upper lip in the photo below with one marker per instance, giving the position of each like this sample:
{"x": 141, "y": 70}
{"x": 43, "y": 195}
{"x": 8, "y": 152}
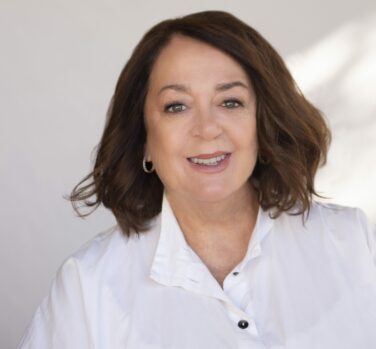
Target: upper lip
{"x": 208, "y": 156}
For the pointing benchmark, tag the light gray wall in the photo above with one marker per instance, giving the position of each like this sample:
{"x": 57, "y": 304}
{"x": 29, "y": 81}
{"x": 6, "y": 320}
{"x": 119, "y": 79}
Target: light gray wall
{"x": 59, "y": 64}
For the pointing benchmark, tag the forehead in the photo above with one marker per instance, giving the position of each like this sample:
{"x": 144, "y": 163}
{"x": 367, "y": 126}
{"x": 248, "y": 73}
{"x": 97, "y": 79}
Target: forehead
{"x": 185, "y": 58}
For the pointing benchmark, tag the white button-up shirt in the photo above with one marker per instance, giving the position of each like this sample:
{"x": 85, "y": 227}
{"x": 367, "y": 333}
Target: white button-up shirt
{"x": 309, "y": 286}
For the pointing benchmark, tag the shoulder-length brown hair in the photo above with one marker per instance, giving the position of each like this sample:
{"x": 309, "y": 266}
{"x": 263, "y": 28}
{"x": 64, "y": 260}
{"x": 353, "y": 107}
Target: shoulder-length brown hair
{"x": 292, "y": 134}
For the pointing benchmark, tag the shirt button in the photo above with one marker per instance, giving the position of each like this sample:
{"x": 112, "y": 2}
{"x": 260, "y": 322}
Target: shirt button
{"x": 243, "y": 324}
{"x": 235, "y": 273}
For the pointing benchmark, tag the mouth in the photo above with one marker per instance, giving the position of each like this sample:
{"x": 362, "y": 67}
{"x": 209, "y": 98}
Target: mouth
{"x": 206, "y": 161}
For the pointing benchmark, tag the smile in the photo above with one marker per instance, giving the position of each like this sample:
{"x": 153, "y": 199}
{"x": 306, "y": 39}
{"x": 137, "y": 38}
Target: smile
{"x": 208, "y": 162}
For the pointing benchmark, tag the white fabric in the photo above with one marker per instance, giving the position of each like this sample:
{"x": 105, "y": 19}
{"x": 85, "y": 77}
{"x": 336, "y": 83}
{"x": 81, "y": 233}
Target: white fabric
{"x": 298, "y": 287}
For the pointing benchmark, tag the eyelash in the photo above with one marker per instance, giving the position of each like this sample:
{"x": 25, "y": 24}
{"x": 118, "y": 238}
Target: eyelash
{"x": 173, "y": 104}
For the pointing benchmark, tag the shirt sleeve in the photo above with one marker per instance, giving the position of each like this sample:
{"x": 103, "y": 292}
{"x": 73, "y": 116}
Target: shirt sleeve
{"x": 61, "y": 321}
{"x": 370, "y": 232}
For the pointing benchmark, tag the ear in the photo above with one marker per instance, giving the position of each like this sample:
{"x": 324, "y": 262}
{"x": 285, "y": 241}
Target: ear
{"x": 146, "y": 153}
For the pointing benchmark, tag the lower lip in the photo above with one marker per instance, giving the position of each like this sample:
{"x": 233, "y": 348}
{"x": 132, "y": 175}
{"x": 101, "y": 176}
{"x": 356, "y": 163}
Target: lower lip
{"x": 221, "y": 166}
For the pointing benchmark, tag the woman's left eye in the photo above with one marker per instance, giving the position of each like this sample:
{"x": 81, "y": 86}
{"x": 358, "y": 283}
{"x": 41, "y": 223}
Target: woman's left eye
{"x": 232, "y": 103}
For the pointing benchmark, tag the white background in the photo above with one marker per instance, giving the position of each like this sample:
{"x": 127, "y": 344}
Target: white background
{"x": 59, "y": 64}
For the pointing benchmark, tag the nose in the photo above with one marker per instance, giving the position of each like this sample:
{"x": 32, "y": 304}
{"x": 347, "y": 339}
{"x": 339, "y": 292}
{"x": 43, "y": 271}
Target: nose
{"x": 206, "y": 124}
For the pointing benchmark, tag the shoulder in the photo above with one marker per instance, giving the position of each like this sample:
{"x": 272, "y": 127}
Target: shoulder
{"x": 333, "y": 229}
{"x": 325, "y": 214}
{"x": 335, "y": 215}
{"x": 92, "y": 287}
{"x": 102, "y": 249}
{"x": 330, "y": 220}
{"x": 346, "y": 223}
{"x": 108, "y": 250}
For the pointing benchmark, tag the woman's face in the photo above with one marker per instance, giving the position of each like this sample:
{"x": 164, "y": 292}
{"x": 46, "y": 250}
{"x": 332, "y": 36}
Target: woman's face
{"x": 200, "y": 114}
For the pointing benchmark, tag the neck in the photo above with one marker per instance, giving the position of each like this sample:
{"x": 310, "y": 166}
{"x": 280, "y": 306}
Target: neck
{"x": 231, "y": 218}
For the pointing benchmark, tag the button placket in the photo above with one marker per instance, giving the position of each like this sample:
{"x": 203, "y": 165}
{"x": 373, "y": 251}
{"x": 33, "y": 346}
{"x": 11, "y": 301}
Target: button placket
{"x": 240, "y": 316}
{"x": 256, "y": 251}
{"x": 242, "y": 320}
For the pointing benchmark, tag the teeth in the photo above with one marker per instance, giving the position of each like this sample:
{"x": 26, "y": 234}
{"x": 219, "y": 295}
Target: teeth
{"x": 209, "y": 162}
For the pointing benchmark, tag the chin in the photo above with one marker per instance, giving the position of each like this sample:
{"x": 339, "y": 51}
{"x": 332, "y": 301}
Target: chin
{"x": 211, "y": 194}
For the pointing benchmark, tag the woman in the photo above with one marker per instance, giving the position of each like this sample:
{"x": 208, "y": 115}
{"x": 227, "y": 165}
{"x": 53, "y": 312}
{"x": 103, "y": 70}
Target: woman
{"x": 208, "y": 162}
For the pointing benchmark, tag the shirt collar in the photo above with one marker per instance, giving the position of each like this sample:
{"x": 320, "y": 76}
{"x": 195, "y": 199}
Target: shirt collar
{"x": 263, "y": 226}
{"x": 176, "y": 264}
{"x": 174, "y": 258}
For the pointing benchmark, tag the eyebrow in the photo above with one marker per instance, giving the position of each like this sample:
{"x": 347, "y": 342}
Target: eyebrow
{"x": 220, "y": 87}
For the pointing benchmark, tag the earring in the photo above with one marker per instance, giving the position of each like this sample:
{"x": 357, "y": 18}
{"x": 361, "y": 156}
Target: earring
{"x": 145, "y": 168}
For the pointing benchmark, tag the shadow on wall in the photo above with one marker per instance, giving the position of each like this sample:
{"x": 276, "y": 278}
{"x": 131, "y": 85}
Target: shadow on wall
{"x": 338, "y": 75}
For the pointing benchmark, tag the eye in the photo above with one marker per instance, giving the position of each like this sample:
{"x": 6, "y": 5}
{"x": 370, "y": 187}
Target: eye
{"x": 174, "y": 107}
{"x": 232, "y": 103}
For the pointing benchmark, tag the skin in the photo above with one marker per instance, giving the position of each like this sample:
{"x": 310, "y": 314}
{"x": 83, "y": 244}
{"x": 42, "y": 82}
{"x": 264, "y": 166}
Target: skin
{"x": 216, "y": 211}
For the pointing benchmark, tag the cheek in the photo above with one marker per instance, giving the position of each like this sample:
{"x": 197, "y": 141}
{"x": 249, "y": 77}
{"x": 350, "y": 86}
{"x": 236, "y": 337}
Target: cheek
{"x": 164, "y": 143}
{"x": 245, "y": 137}
{"x": 254, "y": 142}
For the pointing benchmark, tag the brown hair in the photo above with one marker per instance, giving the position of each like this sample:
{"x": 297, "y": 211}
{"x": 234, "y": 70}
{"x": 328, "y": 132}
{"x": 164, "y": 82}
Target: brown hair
{"x": 292, "y": 134}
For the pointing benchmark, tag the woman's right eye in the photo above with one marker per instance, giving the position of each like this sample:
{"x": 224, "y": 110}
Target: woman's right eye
{"x": 174, "y": 108}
